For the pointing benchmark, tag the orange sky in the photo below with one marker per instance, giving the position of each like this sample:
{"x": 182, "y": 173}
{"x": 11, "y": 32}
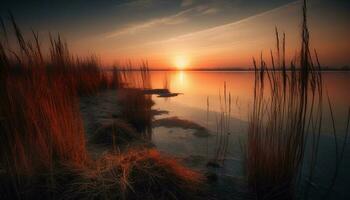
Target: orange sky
{"x": 234, "y": 44}
{"x": 193, "y": 33}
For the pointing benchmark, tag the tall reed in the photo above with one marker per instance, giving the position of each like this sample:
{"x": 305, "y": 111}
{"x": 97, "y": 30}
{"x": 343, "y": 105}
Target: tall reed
{"x": 40, "y": 126}
{"x": 286, "y": 103}
{"x": 43, "y": 150}
{"x": 136, "y": 106}
{"x": 135, "y": 76}
{"x": 223, "y": 130}
{"x": 40, "y": 114}
{"x": 136, "y": 110}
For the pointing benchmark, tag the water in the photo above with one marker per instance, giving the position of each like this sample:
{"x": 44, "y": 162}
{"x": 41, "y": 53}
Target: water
{"x": 196, "y": 150}
{"x": 192, "y": 105}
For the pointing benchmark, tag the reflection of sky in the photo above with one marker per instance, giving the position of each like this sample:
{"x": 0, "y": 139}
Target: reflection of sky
{"x": 208, "y": 33}
{"x": 197, "y": 86}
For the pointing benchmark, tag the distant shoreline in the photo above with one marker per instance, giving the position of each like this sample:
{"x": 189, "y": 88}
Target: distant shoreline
{"x": 230, "y": 70}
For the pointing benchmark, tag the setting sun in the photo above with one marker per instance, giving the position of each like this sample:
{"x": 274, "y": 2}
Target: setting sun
{"x": 181, "y": 62}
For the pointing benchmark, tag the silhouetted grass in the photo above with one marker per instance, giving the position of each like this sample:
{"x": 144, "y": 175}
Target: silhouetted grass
{"x": 135, "y": 76}
{"x": 222, "y": 127}
{"x": 286, "y": 114}
{"x": 136, "y": 109}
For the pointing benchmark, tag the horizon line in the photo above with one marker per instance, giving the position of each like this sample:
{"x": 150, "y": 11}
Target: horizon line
{"x": 344, "y": 68}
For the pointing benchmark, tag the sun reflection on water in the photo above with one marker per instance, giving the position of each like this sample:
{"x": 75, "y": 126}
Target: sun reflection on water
{"x": 181, "y": 77}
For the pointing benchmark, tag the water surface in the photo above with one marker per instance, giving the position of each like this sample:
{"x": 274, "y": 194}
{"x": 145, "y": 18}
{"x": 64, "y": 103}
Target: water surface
{"x": 192, "y": 105}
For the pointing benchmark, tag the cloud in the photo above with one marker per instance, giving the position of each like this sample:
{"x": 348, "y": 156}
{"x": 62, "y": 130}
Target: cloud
{"x": 210, "y": 11}
{"x": 232, "y": 27}
{"x": 175, "y": 19}
{"x": 139, "y": 3}
{"x": 186, "y": 3}
{"x": 169, "y": 20}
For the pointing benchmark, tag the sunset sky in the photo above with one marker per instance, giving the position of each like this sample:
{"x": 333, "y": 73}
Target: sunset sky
{"x": 187, "y": 33}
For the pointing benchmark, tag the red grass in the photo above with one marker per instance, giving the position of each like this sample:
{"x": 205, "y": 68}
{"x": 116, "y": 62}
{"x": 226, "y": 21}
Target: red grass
{"x": 137, "y": 174}
{"x": 41, "y": 122}
{"x": 43, "y": 150}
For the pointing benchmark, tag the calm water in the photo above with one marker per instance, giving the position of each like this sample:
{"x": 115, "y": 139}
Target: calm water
{"x": 192, "y": 105}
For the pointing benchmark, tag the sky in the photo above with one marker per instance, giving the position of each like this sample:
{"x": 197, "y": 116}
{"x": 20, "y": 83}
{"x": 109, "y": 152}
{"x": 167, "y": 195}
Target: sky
{"x": 186, "y": 33}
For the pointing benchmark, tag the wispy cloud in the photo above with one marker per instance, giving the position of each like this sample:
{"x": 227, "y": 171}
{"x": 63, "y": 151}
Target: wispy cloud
{"x": 224, "y": 29}
{"x": 175, "y": 19}
{"x": 169, "y": 20}
{"x": 186, "y": 3}
{"x": 210, "y": 11}
{"x": 139, "y": 3}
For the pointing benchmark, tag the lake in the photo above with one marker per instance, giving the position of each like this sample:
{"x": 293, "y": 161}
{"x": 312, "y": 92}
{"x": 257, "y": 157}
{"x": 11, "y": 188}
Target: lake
{"x": 187, "y": 126}
{"x": 197, "y": 88}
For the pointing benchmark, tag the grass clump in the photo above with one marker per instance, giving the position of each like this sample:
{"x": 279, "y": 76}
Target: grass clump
{"x": 136, "y": 109}
{"x": 137, "y": 174}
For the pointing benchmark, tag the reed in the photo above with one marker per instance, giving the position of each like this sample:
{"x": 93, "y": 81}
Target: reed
{"x": 135, "y": 76}
{"x": 43, "y": 153}
{"x": 136, "y": 105}
{"x": 286, "y": 116}
{"x": 223, "y": 130}
{"x": 41, "y": 120}
{"x": 41, "y": 129}
{"x": 85, "y": 75}
{"x": 136, "y": 110}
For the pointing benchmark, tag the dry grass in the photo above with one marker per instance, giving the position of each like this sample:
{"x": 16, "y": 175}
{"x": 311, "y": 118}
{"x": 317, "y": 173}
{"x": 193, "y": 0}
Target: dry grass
{"x": 136, "y": 174}
{"x": 136, "y": 109}
{"x": 136, "y": 105}
{"x": 41, "y": 123}
{"x": 137, "y": 76}
{"x": 43, "y": 150}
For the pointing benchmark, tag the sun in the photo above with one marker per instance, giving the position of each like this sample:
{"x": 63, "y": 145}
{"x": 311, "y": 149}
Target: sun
{"x": 181, "y": 62}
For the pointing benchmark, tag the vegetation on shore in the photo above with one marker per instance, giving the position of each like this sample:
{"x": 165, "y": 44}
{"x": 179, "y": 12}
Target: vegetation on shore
{"x": 137, "y": 174}
{"x": 44, "y": 150}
